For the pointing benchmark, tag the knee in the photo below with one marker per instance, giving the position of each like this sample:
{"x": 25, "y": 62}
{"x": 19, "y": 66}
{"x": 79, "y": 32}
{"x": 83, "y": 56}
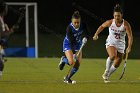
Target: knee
{"x": 117, "y": 65}
{"x": 112, "y": 57}
{"x": 118, "y": 62}
{"x": 71, "y": 62}
{"x": 77, "y": 64}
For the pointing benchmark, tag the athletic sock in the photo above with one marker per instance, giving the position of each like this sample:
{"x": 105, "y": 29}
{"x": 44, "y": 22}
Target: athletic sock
{"x": 65, "y": 60}
{"x": 112, "y": 69}
{"x": 2, "y": 52}
{"x": 0, "y": 73}
{"x": 72, "y": 72}
{"x": 1, "y": 65}
{"x": 108, "y": 64}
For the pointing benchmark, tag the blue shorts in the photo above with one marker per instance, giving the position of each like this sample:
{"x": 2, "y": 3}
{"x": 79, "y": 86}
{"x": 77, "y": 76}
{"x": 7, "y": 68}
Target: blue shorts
{"x": 67, "y": 47}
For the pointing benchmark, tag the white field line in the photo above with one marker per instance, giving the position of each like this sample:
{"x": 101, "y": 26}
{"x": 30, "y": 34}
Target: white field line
{"x": 60, "y": 81}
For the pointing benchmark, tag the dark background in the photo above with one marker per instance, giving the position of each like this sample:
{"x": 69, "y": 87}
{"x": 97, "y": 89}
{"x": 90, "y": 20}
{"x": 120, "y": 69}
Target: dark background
{"x": 55, "y": 15}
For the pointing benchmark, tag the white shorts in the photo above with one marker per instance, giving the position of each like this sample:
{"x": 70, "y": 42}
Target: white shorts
{"x": 120, "y": 47}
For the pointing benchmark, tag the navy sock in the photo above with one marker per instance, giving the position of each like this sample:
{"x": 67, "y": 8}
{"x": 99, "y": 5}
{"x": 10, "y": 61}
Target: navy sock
{"x": 1, "y": 65}
{"x": 72, "y": 72}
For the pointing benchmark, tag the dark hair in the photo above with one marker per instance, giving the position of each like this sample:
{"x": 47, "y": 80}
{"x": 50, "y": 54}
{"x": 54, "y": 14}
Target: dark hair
{"x": 76, "y": 15}
{"x": 118, "y": 8}
{"x": 2, "y": 6}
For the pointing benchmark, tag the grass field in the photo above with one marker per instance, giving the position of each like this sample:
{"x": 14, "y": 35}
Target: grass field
{"x": 26, "y": 75}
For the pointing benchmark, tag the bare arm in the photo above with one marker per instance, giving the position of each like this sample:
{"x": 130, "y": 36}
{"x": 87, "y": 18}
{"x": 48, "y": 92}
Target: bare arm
{"x": 101, "y": 28}
{"x": 129, "y": 35}
{"x": 6, "y": 27}
{"x": 10, "y": 30}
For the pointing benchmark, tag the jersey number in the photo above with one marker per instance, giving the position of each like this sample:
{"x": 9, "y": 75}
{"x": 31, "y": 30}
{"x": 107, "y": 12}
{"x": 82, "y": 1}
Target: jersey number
{"x": 117, "y": 35}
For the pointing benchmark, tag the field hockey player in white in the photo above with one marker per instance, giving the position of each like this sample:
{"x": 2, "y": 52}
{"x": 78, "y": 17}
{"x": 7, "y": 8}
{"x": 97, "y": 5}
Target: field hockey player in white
{"x": 115, "y": 42}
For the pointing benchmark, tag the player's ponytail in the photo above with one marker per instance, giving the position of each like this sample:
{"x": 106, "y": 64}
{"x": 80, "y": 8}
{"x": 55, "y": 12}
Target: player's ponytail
{"x": 118, "y": 8}
{"x": 76, "y": 15}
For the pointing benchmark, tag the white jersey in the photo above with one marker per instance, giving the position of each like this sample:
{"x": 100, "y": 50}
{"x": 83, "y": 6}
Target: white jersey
{"x": 116, "y": 34}
{"x": 116, "y": 37}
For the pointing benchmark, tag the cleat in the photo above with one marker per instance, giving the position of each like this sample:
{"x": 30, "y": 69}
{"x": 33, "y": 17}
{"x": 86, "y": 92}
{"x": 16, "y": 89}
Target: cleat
{"x": 4, "y": 60}
{"x": 107, "y": 81}
{"x": 69, "y": 81}
{"x": 105, "y": 77}
{"x": 61, "y": 64}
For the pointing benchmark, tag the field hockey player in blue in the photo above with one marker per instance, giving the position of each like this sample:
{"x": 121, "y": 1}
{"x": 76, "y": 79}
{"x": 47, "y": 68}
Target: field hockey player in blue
{"x": 75, "y": 32}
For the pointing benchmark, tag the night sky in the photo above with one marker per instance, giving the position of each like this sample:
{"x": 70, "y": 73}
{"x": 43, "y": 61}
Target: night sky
{"x": 56, "y": 14}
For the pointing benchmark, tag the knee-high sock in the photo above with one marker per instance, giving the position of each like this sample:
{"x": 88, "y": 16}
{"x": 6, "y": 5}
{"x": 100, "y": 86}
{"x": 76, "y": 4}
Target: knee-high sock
{"x": 65, "y": 60}
{"x": 1, "y": 65}
{"x": 112, "y": 69}
{"x": 108, "y": 64}
{"x": 1, "y": 58}
{"x": 72, "y": 72}
{"x": 0, "y": 73}
{"x": 2, "y": 52}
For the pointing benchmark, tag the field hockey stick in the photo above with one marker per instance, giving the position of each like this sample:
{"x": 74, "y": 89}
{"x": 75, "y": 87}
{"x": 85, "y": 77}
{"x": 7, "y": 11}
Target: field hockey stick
{"x": 21, "y": 16}
{"x": 83, "y": 44}
{"x": 124, "y": 67}
{"x": 80, "y": 50}
{"x": 16, "y": 25}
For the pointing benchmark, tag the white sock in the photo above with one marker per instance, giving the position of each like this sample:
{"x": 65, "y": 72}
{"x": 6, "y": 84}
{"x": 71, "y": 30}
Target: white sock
{"x": 112, "y": 69}
{"x": 2, "y": 52}
{"x": 0, "y": 73}
{"x": 108, "y": 64}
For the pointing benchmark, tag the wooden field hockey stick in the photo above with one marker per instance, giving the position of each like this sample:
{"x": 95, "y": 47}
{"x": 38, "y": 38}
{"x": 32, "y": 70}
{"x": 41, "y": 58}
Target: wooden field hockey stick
{"x": 124, "y": 66}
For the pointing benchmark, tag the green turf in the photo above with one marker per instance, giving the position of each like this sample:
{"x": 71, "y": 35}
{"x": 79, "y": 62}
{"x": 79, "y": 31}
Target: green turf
{"x": 25, "y": 75}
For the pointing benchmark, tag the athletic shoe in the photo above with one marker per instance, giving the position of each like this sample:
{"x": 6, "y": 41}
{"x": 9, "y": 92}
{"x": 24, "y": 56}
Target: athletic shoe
{"x": 61, "y": 63}
{"x": 107, "y": 81}
{"x": 69, "y": 81}
{"x": 4, "y": 60}
{"x": 105, "y": 77}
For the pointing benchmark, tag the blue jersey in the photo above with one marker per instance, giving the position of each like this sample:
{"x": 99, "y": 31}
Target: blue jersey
{"x": 73, "y": 38}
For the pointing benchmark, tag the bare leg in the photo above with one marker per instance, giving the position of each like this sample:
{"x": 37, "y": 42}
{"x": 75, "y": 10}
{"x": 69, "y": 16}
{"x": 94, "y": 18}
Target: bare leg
{"x": 112, "y": 53}
{"x": 117, "y": 62}
{"x": 1, "y": 63}
{"x": 74, "y": 65}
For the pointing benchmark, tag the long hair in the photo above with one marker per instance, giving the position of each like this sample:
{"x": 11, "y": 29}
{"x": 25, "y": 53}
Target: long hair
{"x": 76, "y": 15}
{"x": 118, "y": 8}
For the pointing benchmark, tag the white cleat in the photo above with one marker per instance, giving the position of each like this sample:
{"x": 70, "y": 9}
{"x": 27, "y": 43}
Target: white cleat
{"x": 105, "y": 78}
{"x": 107, "y": 81}
{"x": 69, "y": 81}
